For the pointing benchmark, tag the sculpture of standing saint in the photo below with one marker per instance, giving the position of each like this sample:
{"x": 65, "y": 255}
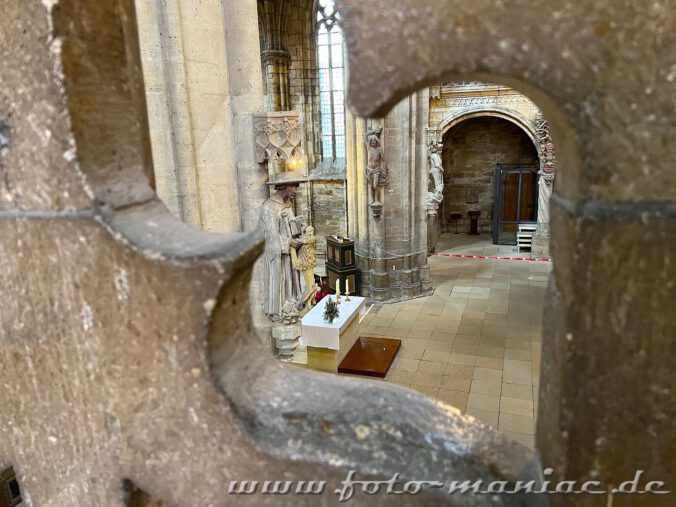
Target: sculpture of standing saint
{"x": 437, "y": 171}
{"x": 281, "y": 282}
{"x": 435, "y": 197}
{"x": 376, "y": 170}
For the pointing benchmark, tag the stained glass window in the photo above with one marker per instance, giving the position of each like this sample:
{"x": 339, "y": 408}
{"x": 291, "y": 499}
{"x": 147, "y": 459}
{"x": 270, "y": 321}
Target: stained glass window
{"x": 331, "y": 80}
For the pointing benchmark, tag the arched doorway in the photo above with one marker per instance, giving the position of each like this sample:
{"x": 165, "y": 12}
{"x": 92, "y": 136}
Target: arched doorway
{"x": 490, "y": 166}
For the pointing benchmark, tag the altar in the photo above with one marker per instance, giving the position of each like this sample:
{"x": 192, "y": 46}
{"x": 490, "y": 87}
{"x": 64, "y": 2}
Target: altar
{"x": 328, "y": 343}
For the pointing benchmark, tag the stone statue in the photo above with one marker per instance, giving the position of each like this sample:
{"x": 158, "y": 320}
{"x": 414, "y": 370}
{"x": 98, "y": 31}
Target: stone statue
{"x": 305, "y": 260}
{"x": 281, "y": 282}
{"x": 376, "y": 170}
{"x": 436, "y": 170}
{"x": 435, "y": 197}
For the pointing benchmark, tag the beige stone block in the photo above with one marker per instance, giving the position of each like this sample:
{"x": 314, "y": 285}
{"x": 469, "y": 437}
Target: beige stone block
{"x": 486, "y": 387}
{"x": 459, "y": 371}
{"x": 436, "y": 355}
{"x": 376, "y": 330}
{"x": 460, "y": 348}
{"x": 438, "y": 346}
{"x": 379, "y": 321}
{"x": 489, "y": 362}
{"x": 517, "y": 372}
{"x": 516, "y": 406}
{"x": 402, "y": 363}
{"x": 487, "y": 417}
{"x": 456, "y": 383}
{"x": 483, "y": 402}
{"x": 515, "y": 423}
{"x": 410, "y": 353}
{"x": 487, "y": 351}
{"x": 442, "y": 336}
{"x": 416, "y": 332}
{"x": 463, "y": 359}
{"x": 427, "y": 379}
{"x": 518, "y": 344}
{"x": 456, "y": 398}
{"x": 414, "y": 343}
{"x": 517, "y": 391}
{"x": 464, "y": 339}
{"x": 396, "y": 332}
{"x": 426, "y": 325}
{"x": 523, "y": 355}
{"x": 431, "y": 367}
{"x": 494, "y": 375}
{"x": 404, "y": 325}
{"x": 400, "y": 376}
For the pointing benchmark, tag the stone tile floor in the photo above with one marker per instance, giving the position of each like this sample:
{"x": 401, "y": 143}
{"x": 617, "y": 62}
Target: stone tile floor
{"x": 475, "y": 343}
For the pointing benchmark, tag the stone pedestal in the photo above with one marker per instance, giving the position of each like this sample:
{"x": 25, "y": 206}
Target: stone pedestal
{"x": 286, "y": 339}
{"x": 433, "y": 231}
{"x": 540, "y": 241}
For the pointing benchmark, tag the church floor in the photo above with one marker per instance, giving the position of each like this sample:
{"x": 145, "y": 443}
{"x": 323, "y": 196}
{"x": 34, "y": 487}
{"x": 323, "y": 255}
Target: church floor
{"x": 475, "y": 343}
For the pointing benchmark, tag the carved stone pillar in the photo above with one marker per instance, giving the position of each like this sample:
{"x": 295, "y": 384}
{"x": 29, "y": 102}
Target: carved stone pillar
{"x": 392, "y": 247}
{"x": 547, "y": 154}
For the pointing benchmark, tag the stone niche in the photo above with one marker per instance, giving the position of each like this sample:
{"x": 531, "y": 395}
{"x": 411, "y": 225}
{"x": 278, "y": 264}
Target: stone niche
{"x": 472, "y": 151}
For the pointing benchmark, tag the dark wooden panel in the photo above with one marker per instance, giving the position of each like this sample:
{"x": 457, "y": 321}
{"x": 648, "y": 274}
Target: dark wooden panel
{"x": 370, "y": 356}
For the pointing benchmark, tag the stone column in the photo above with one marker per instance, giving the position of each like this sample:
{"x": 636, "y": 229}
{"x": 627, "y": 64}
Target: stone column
{"x": 186, "y": 72}
{"x": 391, "y": 251}
{"x": 276, "y": 63}
{"x": 168, "y": 108}
{"x": 246, "y": 98}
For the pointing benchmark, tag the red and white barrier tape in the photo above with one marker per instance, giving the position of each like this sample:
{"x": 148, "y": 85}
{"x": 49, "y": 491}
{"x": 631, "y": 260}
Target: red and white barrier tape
{"x": 495, "y": 257}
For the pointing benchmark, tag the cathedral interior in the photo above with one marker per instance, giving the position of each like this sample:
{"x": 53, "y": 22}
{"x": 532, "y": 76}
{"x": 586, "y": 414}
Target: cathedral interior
{"x": 294, "y": 240}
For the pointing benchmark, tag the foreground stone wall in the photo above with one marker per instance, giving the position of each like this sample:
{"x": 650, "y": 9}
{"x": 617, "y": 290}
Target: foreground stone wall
{"x": 606, "y": 393}
{"x": 128, "y": 351}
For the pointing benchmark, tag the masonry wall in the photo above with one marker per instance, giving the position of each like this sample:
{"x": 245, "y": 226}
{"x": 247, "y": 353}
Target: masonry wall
{"x": 472, "y": 151}
{"x": 328, "y": 210}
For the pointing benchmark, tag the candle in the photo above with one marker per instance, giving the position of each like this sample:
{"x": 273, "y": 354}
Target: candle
{"x": 347, "y": 286}
{"x": 338, "y": 287}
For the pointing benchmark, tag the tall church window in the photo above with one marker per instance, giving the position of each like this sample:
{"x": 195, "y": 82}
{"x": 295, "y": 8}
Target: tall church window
{"x": 331, "y": 80}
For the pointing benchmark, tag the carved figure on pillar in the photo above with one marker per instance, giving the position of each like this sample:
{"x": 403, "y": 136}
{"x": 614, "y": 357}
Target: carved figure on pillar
{"x": 547, "y": 173}
{"x": 281, "y": 282}
{"x": 376, "y": 170}
{"x": 435, "y": 197}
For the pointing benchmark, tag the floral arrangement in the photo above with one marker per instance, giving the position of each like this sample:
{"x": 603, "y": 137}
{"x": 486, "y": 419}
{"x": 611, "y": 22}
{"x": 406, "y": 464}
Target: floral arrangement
{"x": 331, "y": 310}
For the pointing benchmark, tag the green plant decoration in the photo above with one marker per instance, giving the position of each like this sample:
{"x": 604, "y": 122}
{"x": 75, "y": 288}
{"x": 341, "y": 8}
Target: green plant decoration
{"x": 331, "y": 310}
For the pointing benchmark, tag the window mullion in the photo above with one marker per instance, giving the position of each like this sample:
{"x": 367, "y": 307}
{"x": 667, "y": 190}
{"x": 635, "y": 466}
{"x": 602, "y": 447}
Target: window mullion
{"x": 331, "y": 88}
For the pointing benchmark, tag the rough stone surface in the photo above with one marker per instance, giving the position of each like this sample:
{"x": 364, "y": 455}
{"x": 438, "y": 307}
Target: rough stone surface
{"x": 472, "y": 151}
{"x": 603, "y": 75}
{"x": 128, "y": 350}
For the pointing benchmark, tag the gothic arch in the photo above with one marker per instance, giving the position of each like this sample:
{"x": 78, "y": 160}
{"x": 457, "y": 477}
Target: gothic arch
{"x": 504, "y": 113}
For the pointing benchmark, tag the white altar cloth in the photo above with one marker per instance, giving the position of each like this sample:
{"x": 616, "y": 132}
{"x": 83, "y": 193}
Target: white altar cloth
{"x": 318, "y": 333}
